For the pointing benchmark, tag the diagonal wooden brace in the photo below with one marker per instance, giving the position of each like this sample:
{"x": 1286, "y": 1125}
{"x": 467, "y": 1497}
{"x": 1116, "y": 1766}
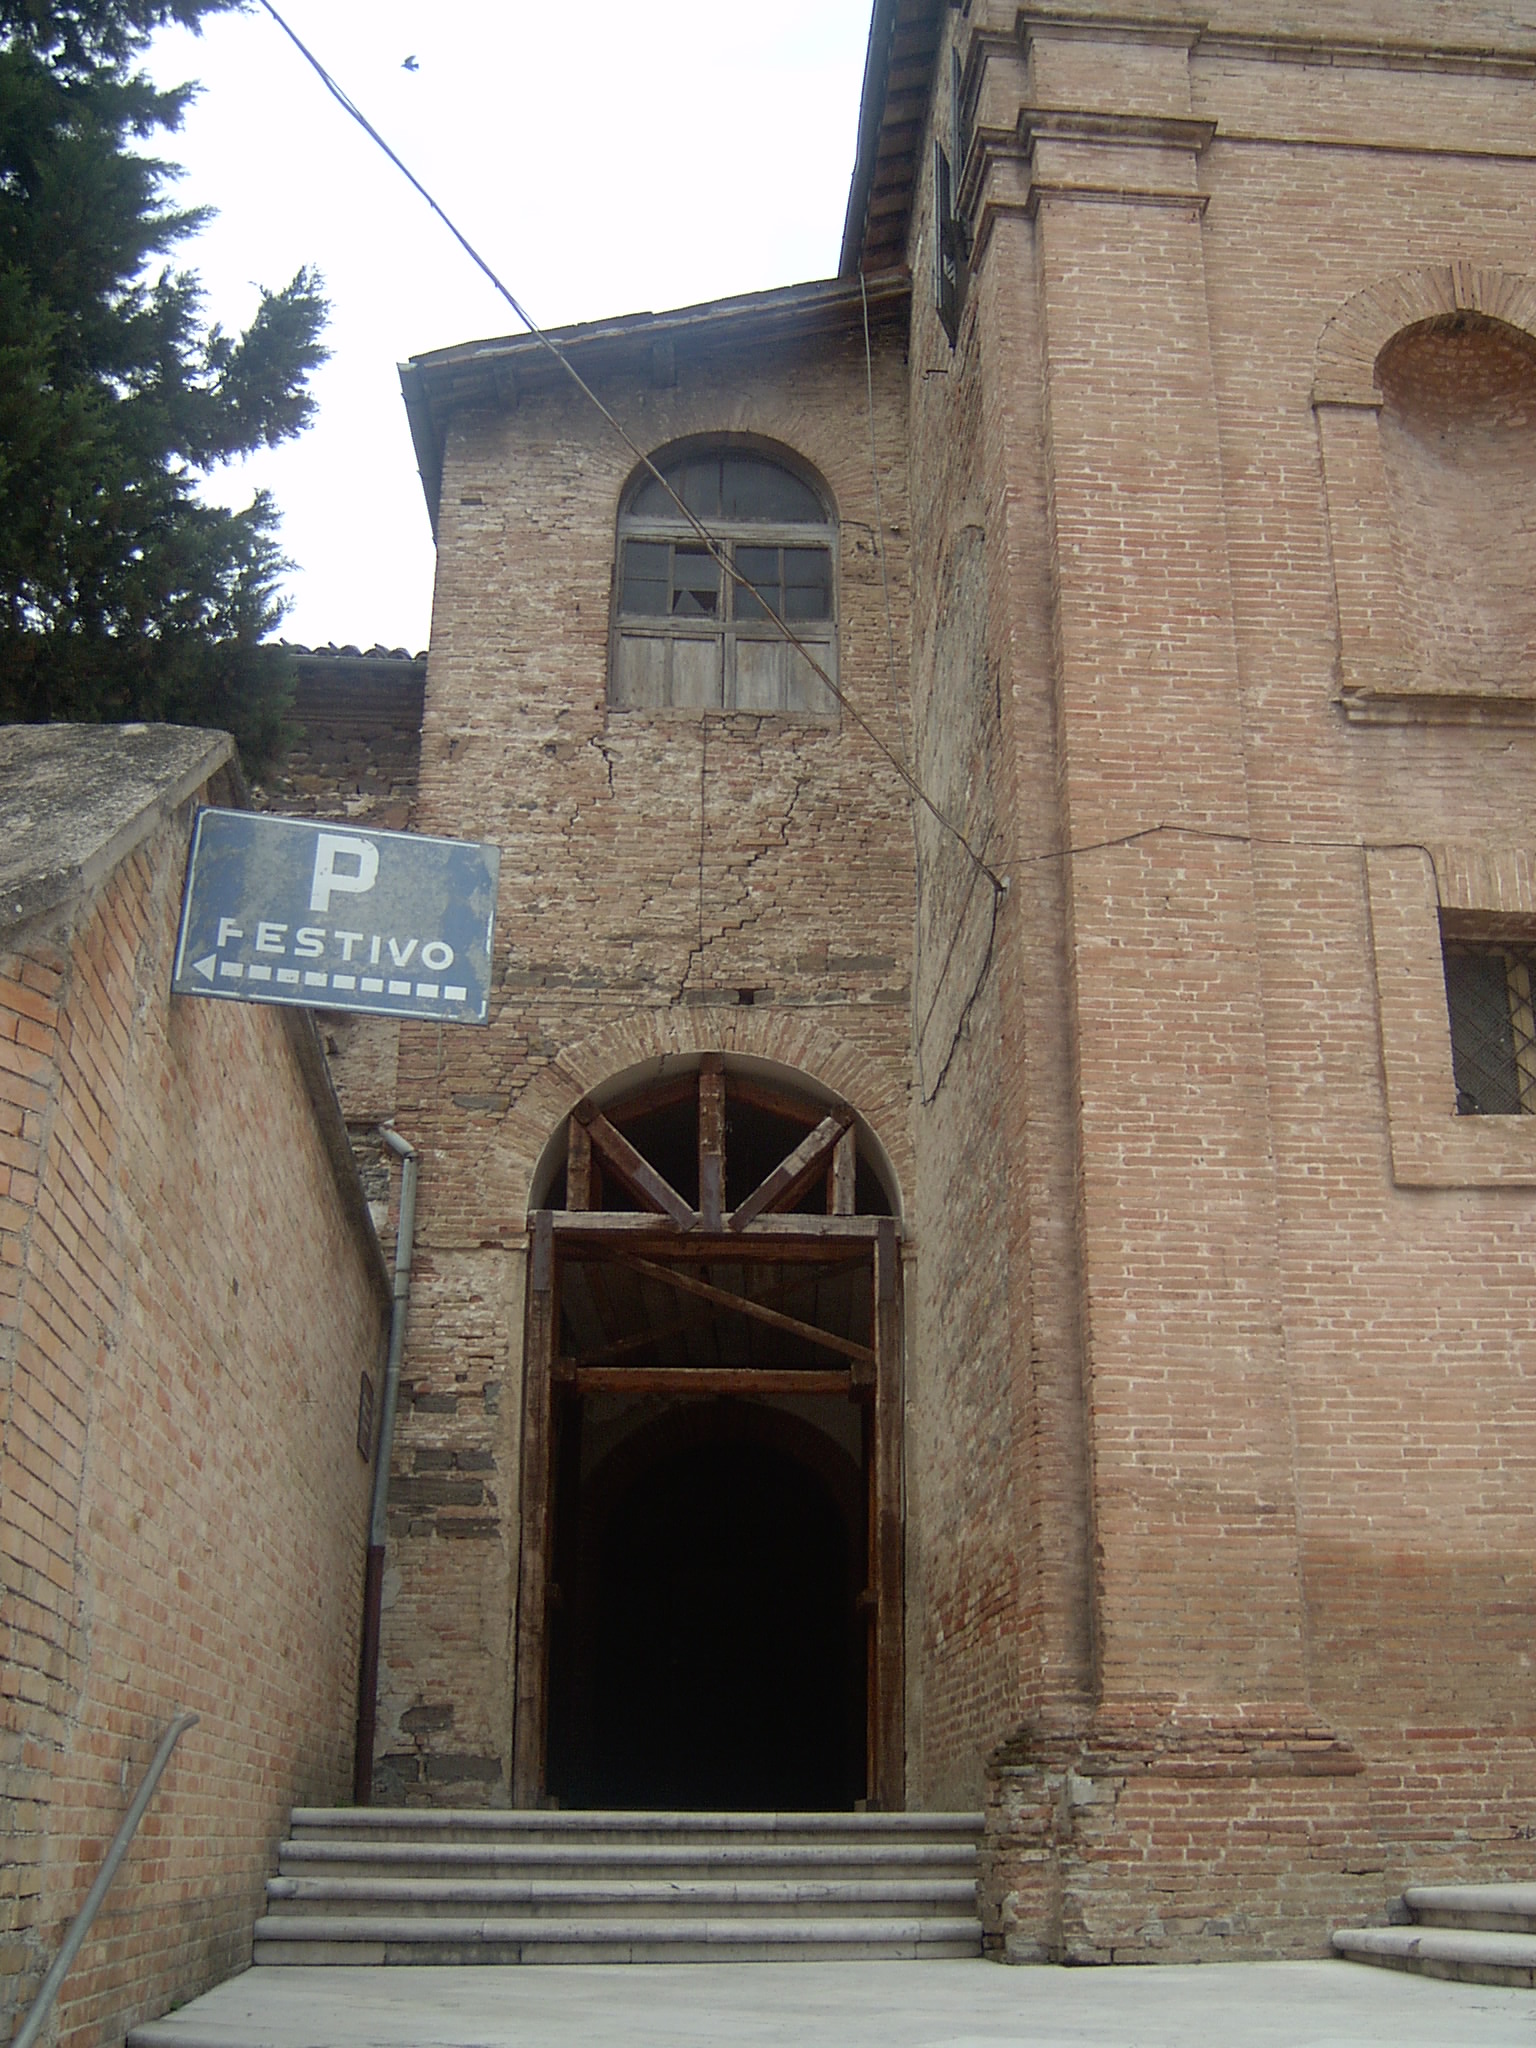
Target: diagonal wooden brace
{"x": 634, "y": 1173}
{"x": 756, "y": 1310}
{"x": 793, "y": 1175}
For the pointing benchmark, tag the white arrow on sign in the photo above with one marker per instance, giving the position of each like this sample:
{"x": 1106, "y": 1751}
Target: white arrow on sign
{"x": 204, "y": 967}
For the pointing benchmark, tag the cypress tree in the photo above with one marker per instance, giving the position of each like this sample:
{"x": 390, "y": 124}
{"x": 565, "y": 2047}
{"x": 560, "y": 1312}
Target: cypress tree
{"x": 122, "y": 594}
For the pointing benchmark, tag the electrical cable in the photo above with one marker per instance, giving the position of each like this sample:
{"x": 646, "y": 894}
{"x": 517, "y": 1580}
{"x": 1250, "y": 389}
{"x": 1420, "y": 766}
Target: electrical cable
{"x": 874, "y": 476}
{"x": 717, "y": 551}
{"x": 895, "y": 685}
{"x": 1216, "y": 836}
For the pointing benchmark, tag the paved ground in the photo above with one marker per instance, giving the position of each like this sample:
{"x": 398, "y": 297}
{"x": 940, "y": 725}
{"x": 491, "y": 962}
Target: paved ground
{"x": 848, "y": 2005}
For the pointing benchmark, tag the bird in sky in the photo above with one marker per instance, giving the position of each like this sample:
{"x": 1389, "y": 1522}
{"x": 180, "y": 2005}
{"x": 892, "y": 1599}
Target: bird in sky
{"x": 410, "y": 64}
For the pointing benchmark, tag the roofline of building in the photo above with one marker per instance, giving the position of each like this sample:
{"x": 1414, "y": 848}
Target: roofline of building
{"x": 496, "y": 372}
{"x": 877, "y": 70}
{"x": 891, "y": 21}
{"x": 353, "y": 659}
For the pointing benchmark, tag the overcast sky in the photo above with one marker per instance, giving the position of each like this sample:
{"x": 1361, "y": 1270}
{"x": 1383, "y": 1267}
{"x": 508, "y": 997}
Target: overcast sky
{"x": 631, "y": 154}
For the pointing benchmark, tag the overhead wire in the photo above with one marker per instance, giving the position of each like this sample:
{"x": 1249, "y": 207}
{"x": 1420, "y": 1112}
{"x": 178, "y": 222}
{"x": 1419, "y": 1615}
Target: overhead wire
{"x": 894, "y": 680}
{"x": 1227, "y": 837}
{"x": 717, "y": 551}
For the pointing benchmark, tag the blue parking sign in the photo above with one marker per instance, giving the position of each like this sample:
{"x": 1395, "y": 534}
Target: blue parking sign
{"x": 336, "y": 917}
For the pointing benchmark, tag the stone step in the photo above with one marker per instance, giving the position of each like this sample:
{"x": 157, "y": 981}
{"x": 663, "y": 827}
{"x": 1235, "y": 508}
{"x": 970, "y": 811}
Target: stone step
{"x": 1474, "y": 1955}
{"x": 906, "y": 1898}
{"x": 617, "y": 1858}
{"x": 479, "y": 1824}
{"x": 373, "y": 1940}
{"x": 1497, "y": 1908}
{"x": 425, "y": 1885}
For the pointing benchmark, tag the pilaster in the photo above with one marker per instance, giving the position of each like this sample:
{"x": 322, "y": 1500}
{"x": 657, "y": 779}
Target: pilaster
{"x": 1198, "y": 1600}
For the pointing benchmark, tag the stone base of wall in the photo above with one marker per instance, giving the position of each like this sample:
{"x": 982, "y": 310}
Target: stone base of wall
{"x": 1181, "y": 1839}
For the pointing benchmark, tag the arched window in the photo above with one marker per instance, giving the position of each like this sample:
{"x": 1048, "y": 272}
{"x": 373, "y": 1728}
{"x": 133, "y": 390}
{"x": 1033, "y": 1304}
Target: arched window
{"x": 689, "y": 637}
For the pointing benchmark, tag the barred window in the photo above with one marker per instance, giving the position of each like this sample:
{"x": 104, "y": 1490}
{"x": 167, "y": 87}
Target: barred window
{"x": 1488, "y": 989}
{"x": 689, "y": 636}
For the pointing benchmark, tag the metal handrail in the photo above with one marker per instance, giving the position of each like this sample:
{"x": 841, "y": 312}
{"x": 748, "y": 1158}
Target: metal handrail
{"x": 80, "y": 1926}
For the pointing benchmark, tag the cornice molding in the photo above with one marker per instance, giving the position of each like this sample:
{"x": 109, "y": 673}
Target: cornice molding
{"x": 1104, "y": 28}
{"x": 1137, "y": 131}
{"x": 1041, "y": 189}
{"x": 1383, "y": 53}
{"x": 1383, "y": 56}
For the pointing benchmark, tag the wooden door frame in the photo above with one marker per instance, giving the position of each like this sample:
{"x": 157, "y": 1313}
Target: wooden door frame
{"x": 877, "y": 1374}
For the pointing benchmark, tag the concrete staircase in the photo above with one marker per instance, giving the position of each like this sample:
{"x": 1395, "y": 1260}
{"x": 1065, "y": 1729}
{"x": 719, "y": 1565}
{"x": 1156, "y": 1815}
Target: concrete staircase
{"x": 418, "y": 1885}
{"x": 1481, "y": 1933}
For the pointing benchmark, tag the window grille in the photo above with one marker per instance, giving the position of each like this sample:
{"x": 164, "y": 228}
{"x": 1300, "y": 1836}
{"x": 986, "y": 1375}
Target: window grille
{"x": 951, "y": 241}
{"x": 1488, "y": 988}
{"x": 946, "y": 247}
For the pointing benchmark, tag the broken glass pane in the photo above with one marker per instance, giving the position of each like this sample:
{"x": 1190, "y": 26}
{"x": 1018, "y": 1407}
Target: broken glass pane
{"x": 695, "y": 584}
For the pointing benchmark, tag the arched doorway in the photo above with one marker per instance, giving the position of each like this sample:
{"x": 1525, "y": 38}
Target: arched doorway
{"x": 710, "y": 1590}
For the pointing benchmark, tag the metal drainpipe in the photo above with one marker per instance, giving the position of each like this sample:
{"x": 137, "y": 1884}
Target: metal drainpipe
{"x": 373, "y": 1579}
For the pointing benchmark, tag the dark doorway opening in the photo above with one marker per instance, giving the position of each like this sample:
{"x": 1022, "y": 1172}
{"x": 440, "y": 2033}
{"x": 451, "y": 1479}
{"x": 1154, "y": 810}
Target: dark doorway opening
{"x": 709, "y": 1591}
{"x": 709, "y": 1651}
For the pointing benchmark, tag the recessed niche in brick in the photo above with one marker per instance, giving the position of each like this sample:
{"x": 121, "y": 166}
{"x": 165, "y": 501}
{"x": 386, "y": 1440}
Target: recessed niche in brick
{"x": 1458, "y": 438}
{"x": 1425, "y": 397}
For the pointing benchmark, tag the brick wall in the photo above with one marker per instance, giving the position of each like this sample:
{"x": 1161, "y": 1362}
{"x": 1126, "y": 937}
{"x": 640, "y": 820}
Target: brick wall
{"x": 188, "y": 1302}
{"x": 356, "y": 749}
{"x": 1303, "y": 1343}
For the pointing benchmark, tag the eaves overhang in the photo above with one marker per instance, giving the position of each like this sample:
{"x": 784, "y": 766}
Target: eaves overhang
{"x": 497, "y": 374}
{"x": 904, "y": 40}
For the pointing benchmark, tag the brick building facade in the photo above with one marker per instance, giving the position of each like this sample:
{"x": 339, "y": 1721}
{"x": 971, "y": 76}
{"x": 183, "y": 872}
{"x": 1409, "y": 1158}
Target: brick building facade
{"x": 1175, "y": 551}
{"x": 189, "y": 1293}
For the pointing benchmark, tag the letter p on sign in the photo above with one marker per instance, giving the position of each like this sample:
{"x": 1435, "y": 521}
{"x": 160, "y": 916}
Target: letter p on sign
{"x": 328, "y": 878}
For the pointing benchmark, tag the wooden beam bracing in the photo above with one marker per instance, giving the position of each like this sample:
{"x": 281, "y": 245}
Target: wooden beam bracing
{"x": 711, "y": 1142}
{"x": 578, "y": 1166}
{"x": 706, "y": 1380}
{"x": 767, "y": 1237}
{"x": 845, "y": 1167}
{"x": 634, "y": 1172}
{"x": 740, "y": 1304}
{"x": 794, "y": 1174}
{"x": 794, "y": 1109}
{"x": 530, "y": 1701}
{"x": 890, "y": 1676}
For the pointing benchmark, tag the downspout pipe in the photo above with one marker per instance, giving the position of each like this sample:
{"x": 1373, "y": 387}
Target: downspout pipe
{"x": 378, "y": 1513}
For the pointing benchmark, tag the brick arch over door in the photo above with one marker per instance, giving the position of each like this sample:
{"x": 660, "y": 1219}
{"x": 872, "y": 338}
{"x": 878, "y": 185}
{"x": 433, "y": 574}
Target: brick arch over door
{"x": 874, "y": 1087}
{"x": 648, "y": 1280}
